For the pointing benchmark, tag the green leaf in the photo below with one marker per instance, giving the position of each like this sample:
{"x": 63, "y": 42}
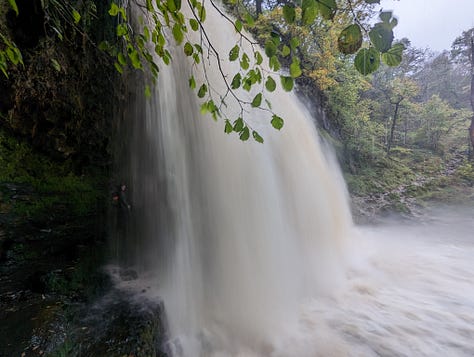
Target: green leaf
{"x": 192, "y": 82}
{"x": 238, "y": 25}
{"x": 249, "y": 20}
{"x": 121, "y": 59}
{"x": 294, "y": 43}
{"x": 274, "y": 63}
{"x": 327, "y": 8}
{"x": 287, "y": 83}
{"x": 76, "y": 16}
{"x": 104, "y": 45}
{"x": 367, "y": 60}
{"x": 118, "y": 67}
{"x": 270, "y": 48}
{"x": 201, "y": 11}
{"x": 122, "y": 12}
{"x": 238, "y": 125}
{"x": 15, "y": 56}
{"x": 350, "y": 39}
{"x": 244, "y": 63}
{"x": 310, "y": 11}
{"x": 228, "y": 127}
{"x": 295, "y": 70}
{"x": 393, "y": 57}
{"x": 146, "y": 33}
{"x": 275, "y": 37}
{"x": 204, "y": 108}
{"x": 113, "y": 11}
{"x": 381, "y": 37}
{"x": 236, "y": 81}
{"x": 135, "y": 59}
{"x": 14, "y": 6}
{"x": 202, "y": 91}
{"x": 122, "y": 30}
{"x": 247, "y": 84}
{"x": 289, "y": 13}
{"x": 147, "y": 91}
{"x": 3, "y": 68}
{"x": 149, "y": 5}
{"x": 258, "y": 57}
{"x": 11, "y": 55}
{"x": 234, "y": 53}
{"x": 285, "y": 51}
{"x": 188, "y": 49}
{"x": 161, "y": 39}
{"x": 277, "y": 122}
{"x": 194, "y": 24}
{"x": 270, "y": 84}
{"x": 257, "y": 100}
{"x": 198, "y": 47}
{"x": 244, "y": 134}
{"x": 56, "y": 65}
{"x": 385, "y": 16}
{"x": 167, "y": 57}
{"x": 178, "y": 33}
{"x": 257, "y": 137}
{"x": 171, "y": 5}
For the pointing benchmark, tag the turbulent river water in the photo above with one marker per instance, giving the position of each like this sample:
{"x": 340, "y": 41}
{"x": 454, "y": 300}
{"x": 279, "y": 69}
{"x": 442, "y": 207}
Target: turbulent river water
{"x": 252, "y": 247}
{"x": 407, "y": 292}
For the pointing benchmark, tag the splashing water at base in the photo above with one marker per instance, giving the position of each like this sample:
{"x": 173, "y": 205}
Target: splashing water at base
{"x": 409, "y": 293}
{"x": 248, "y": 244}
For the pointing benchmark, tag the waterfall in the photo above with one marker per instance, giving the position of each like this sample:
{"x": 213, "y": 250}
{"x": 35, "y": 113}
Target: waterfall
{"x": 236, "y": 235}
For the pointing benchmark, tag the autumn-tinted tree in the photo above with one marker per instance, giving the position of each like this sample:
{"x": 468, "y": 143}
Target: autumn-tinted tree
{"x": 463, "y": 51}
{"x": 143, "y": 46}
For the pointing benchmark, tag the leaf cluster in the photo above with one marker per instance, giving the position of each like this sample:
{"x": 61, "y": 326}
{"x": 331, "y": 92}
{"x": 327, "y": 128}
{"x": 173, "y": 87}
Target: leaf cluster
{"x": 143, "y": 44}
{"x": 380, "y": 49}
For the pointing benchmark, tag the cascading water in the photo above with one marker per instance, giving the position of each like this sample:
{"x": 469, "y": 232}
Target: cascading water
{"x": 238, "y": 232}
{"x": 237, "y": 237}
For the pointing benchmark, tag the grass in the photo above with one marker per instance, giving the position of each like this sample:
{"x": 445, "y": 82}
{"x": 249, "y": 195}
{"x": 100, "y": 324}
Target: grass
{"x": 421, "y": 173}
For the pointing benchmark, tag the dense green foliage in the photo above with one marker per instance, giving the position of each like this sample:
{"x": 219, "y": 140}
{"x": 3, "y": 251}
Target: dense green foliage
{"x": 61, "y": 95}
{"x": 142, "y": 44}
{"x": 413, "y": 104}
{"x": 54, "y": 186}
{"x": 399, "y": 127}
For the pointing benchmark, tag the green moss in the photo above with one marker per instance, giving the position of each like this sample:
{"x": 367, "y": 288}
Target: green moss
{"x": 52, "y": 186}
{"x": 83, "y": 278}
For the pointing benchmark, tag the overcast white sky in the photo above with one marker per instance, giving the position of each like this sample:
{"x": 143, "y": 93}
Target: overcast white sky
{"x": 431, "y": 23}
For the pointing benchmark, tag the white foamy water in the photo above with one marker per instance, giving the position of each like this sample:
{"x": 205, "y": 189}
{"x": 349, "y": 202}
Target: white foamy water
{"x": 251, "y": 247}
{"x": 410, "y": 294}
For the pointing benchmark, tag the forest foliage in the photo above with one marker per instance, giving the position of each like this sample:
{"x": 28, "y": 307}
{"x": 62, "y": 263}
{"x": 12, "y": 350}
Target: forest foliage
{"x": 142, "y": 43}
{"x": 386, "y": 100}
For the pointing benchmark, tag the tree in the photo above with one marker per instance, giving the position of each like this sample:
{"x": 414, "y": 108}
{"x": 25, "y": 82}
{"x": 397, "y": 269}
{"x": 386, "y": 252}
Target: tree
{"x": 139, "y": 42}
{"x": 463, "y": 51}
{"x": 399, "y": 90}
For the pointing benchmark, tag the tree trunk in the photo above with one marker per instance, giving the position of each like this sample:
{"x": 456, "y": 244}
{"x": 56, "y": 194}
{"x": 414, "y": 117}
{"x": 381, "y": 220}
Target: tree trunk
{"x": 405, "y": 132}
{"x": 392, "y": 130}
{"x": 258, "y": 6}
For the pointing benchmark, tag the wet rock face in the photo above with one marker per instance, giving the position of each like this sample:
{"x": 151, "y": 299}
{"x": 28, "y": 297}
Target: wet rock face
{"x": 120, "y": 324}
{"x": 55, "y": 298}
{"x": 28, "y": 27}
